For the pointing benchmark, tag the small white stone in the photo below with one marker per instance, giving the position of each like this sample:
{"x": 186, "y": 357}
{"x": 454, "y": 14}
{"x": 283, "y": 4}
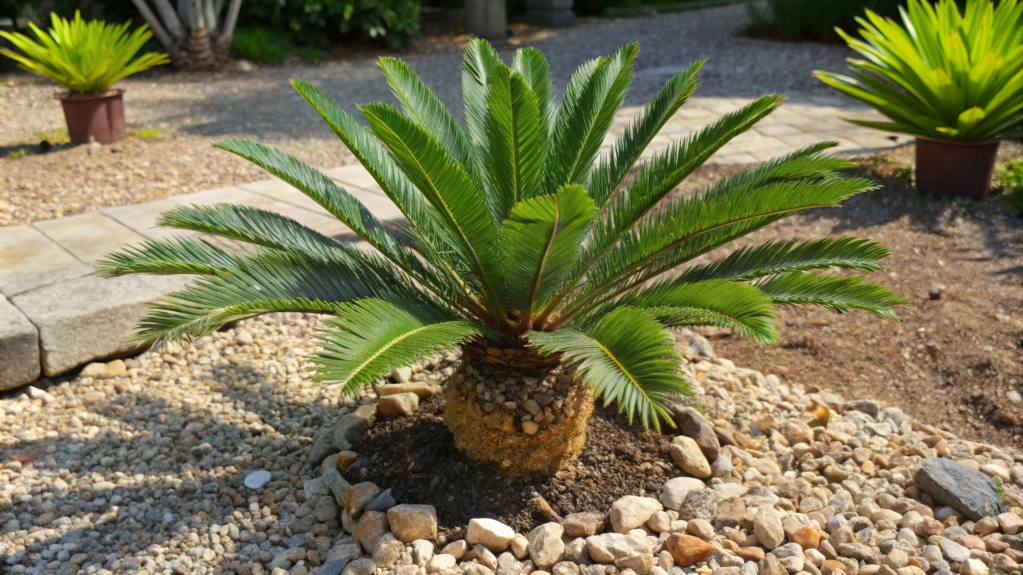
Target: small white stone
{"x": 1014, "y": 396}
{"x": 257, "y": 479}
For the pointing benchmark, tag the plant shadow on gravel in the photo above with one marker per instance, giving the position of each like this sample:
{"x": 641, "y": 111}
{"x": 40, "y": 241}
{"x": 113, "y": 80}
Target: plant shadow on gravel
{"x": 188, "y": 465}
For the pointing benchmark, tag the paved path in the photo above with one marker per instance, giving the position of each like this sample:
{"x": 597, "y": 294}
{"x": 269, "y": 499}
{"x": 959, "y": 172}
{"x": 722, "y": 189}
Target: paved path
{"x": 55, "y": 314}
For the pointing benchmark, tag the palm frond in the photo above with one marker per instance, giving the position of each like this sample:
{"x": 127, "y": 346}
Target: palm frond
{"x": 539, "y": 243}
{"x": 421, "y": 104}
{"x": 595, "y": 92}
{"x": 838, "y": 293}
{"x": 370, "y": 337}
{"x": 737, "y": 306}
{"x": 172, "y": 256}
{"x": 788, "y": 256}
{"x": 531, "y": 64}
{"x": 637, "y": 366}
{"x": 251, "y": 225}
{"x": 610, "y": 171}
{"x": 446, "y": 186}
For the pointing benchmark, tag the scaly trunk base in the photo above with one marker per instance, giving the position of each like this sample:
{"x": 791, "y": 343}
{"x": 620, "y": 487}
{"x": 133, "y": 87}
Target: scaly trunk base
{"x": 511, "y": 407}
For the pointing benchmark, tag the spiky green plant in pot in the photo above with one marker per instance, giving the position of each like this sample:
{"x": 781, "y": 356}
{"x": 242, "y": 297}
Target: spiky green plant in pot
{"x": 523, "y": 248}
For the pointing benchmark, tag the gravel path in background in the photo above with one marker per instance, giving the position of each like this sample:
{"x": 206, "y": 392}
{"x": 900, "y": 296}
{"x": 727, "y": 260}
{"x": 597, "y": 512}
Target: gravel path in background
{"x": 191, "y": 109}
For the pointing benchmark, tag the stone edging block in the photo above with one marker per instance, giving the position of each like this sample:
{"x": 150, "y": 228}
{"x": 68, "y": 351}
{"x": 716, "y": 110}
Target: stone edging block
{"x": 86, "y": 319}
{"x": 19, "y": 347}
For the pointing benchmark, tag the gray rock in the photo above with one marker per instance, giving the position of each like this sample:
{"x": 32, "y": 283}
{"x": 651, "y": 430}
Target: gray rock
{"x": 338, "y": 486}
{"x": 363, "y": 566}
{"x": 545, "y": 545}
{"x": 968, "y": 491}
{"x": 334, "y": 567}
{"x": 85, "y": 319}
{"x": 350, "y": 425}
{"x": 952, "y": 550}
{"x": 691, "y": 423}
{"x": 322, "y": 446}
{"x": 19, "y": 347}
{"x": 325, "y": 509}
{"x": 674, "y": 491}
{"x": 871, "y": 408}
{"x": 383, "y": 502}
{"x": 699, "y": 504}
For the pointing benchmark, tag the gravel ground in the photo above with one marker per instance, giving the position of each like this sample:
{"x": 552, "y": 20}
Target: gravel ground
{"x": 143, "y": 467}
{"x": 191, "y": 109}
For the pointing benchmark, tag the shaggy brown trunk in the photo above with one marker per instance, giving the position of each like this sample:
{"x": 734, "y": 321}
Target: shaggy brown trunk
{"x": 201, "y": 51}
{"x": 517, "y": 409}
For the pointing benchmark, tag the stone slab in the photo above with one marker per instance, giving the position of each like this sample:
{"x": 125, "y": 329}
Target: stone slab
{"x": 19, "y": 347}
{"x": 85, "y": 319}
{"x": 966, "y": 490}
{"x": 91, "y": 236}
{"x": 319, "y": 221}
{"x": 284, "y": 192}
{"x": 354, "y": 175}
{"x": 29, "y": 259}
{"x": 141, "y": 218}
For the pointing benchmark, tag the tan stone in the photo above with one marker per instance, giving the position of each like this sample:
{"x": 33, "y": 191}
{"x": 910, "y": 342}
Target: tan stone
{"x": 687, "y": 550}
{"x": 807, "y": 538}
{"x": 372, "y": 526}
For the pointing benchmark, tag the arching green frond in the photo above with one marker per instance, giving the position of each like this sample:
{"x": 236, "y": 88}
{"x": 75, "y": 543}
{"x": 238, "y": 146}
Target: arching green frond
{"x": 529, "y": 139}
{"x": 420, "y": 103}
{"x": 837, "y": 293}
{"x": 373, "y": 156}
{"x": 350, "y": 212}
{"x": 172, "y": 256}
{"x": 610, "y": 171}
{"x": 663, "y": 238}
{"x": 595, "y": 93}
{"x": 748, "y": 311}
{"x": 446, "y": 186}
{"x": 370, "y": 337}
{"x": 531, "y": 64}
{"x": 266, "y": 281}
{"x": 788, "y": 256}
{"x": 539, "y": 244}
{"x": 486, "y": 92}
{"x": 249, "y": 224}
{"x": 627, "y": 357}
{"x": 658, "y": 177}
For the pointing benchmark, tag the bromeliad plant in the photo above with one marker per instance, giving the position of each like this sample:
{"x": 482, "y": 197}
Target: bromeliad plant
{"x": 941, "y": 74}
{"x": 523, "y": 247}
{"x": 85, "y": 57}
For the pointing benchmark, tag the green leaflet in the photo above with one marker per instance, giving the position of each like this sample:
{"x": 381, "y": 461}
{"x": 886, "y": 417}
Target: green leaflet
{"x": 627, "y": 357}
{"x": 539, "y": 245}
{"x": 370, "y": 337}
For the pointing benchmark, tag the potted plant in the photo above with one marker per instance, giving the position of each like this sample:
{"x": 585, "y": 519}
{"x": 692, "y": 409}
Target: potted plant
{"x": 954, "y": 80}
{"x": 87, "y": 58}
{"x": 523, "y": 247}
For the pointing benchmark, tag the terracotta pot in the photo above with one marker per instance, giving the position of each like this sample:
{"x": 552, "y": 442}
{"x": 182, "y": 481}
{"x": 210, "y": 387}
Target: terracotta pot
{"x": 948, "y": 169}
{"x": 100, "y": 117}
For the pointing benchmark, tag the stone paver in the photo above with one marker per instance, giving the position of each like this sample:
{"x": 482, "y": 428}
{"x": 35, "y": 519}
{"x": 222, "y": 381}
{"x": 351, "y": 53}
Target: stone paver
{"x": 85, "y": 319}
{"x": 19, "y": 347}
{"x": 46, "y": 274}
{"x": 89, "y": 236}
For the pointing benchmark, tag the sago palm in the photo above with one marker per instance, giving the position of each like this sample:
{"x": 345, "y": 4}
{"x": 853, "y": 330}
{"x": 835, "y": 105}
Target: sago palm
{"x": 523, "y": 247}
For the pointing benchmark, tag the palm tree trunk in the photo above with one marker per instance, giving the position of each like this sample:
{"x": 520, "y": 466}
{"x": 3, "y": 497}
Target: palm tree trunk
{"x": 162, "y": 34}
{"x": 519, "y": 410}
{"x": 230, "y": 21}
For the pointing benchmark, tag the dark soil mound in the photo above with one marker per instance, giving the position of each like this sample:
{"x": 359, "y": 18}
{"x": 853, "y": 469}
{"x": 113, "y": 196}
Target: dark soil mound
{"x": 415, "y": 456}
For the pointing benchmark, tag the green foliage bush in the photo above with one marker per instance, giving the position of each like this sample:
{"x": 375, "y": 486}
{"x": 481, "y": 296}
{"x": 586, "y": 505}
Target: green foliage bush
{"x": 1010, "y": 176}
{"x": 261, "y": 44}
{"x": 814, "y": 20}
{"x": 392, "y": 22}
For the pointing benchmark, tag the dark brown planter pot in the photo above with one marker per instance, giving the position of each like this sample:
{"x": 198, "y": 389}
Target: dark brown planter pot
{"x": 100, "y": 118}
{"x": 949, "y": 169}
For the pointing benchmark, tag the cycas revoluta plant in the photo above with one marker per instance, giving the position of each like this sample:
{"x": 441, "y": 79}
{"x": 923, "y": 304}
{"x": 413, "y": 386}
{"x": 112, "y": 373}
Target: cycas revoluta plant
{"x": 523, "y": 248}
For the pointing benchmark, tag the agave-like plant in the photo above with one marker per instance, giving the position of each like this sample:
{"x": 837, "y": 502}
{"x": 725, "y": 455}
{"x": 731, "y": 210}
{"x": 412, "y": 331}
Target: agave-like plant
{"x": 940, "y": 74}
{"x": 523, "y": 247}
{"x": 86, "y": 57}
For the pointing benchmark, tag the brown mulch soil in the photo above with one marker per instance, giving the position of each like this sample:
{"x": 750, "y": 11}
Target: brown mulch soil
{"x": 949, "y": 361}
{"x": 415, "y": 456}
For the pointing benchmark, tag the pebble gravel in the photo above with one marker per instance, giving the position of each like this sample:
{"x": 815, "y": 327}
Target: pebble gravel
{"x": 160, "y": 465}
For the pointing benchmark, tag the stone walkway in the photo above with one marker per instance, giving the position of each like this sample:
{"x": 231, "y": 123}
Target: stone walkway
{"x": 55, "y": 314}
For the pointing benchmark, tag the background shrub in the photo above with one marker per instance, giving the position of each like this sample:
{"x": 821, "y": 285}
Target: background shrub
{"x": 814, "y": 20}
{"x": 314, "y": 23}
{"x": 320, "y": 23}
{"x": 262, "y": 45}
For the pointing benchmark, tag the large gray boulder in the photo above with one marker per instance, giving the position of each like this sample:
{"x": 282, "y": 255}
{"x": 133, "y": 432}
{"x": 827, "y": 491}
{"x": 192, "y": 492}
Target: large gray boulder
{"x": 966, "y": 490}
